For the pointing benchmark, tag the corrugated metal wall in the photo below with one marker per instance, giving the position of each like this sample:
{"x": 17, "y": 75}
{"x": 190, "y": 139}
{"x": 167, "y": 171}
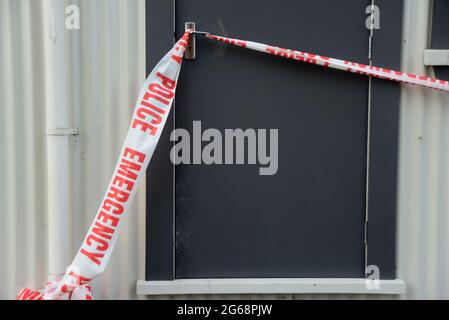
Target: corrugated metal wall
{"x": 22, "y": 143}
{"x": 423, "y": 239}
{"x": 106, "y": 67}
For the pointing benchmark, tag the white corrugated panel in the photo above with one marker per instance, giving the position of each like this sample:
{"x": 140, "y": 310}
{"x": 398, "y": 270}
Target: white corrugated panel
{"x": 22, "y": 143}
{"x": 105, "y": 69}
{"x": 423, "y": 197}
{"x": 423, "y": 206}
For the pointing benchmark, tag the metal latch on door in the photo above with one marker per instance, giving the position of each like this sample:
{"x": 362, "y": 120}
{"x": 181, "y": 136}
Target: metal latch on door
{"x": 190, "y": 53}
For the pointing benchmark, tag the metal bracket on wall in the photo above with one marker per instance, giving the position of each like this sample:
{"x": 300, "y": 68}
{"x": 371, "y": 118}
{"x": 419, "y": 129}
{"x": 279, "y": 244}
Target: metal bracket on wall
{"x": 190, "y": 53}
{"x": 62, "y": 132}
{"x": 436, "y": 57}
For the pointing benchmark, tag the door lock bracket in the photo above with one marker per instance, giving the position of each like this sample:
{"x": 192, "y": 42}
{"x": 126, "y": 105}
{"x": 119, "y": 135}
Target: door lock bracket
{"x": 190, "y": 53}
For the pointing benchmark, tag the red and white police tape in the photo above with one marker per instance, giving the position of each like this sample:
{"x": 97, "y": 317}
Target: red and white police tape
{"x": 338, "y": 64}
{"x": 150, "y": 114}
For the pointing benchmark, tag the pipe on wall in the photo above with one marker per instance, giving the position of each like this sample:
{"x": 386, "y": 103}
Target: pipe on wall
{"x": 57, "y": 138}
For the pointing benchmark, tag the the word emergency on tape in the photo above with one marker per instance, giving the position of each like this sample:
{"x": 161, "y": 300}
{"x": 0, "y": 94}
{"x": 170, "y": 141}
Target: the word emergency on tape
{"x": 123, "y": 182}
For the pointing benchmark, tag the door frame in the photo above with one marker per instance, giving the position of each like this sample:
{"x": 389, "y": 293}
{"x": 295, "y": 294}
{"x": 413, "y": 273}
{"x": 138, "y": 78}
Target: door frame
{"x": 382, "y": 153}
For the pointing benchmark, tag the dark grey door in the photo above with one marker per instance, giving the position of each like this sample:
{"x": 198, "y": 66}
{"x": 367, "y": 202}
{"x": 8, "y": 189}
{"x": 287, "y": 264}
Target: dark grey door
{"x": 440, "y": 40}
{"x": 308, "y": 219}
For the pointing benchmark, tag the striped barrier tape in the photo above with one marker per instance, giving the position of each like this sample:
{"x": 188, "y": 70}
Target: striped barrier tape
{"x": 150, "y": 114}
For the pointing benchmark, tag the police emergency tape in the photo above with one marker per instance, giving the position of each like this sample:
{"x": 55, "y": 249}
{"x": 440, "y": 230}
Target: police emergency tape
{"x": 150, "y": 114}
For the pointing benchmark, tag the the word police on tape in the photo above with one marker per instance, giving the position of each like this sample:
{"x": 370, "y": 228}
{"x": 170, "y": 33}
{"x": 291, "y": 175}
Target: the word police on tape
{"x": 149, "y": 117}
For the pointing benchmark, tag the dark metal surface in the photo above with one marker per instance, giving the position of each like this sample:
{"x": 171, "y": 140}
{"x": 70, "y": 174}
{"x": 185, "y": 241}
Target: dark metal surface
{"x": 308, "y": 219}
{"x": 159, "y": 201}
